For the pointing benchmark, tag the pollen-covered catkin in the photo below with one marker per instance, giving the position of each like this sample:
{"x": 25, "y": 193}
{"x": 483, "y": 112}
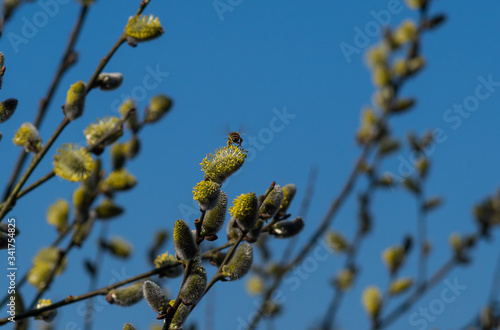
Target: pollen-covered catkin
{"x": 245, "y": 210}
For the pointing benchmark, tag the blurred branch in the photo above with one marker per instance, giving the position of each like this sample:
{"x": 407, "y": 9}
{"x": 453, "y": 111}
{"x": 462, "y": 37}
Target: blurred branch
{"x": 6, "y": 206}
{"x": 69, "y": 58}
{"x": 304, "y": 209}
{"x": 355, "y": 246}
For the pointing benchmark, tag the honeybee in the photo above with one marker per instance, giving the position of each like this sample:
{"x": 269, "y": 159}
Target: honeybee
{"x": 234, "y": 138}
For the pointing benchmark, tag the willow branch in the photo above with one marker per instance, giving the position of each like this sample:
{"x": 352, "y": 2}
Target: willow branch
{"x": 118, "y": 127}
{"x": 99, "y": 292}
{"x": 68, "y": 59}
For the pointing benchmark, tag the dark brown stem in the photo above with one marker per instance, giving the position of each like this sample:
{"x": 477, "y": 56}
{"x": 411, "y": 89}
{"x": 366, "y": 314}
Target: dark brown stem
{"x": 99, "y": 292}
{"x": 89, "y": 312}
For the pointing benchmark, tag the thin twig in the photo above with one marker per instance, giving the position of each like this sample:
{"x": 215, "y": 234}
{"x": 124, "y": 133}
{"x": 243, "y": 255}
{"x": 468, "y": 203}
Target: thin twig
{"x": 303, "y": 210}
{"x": 6, "y": 206}
{"x": 99, "y": 292}
{"x": 51, "y": 174}
{"x": 94, "y": 276}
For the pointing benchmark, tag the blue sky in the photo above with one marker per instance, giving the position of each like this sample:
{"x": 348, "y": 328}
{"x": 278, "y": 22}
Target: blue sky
{"x": 243, "y": 68}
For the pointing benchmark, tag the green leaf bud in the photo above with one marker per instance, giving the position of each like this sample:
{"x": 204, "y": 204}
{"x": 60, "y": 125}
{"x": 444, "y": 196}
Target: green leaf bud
{"x": 393, "y": 257}
{"x": 400, "y": 285}
{"x": 126, "y": 296}
{"x": 387, "y": 145}
{"x": 377, "y": 55}
{"x": 344, "y": 279}
{"x": 206, "y": 193}
{"x": 194, "y": 287}
{"x": 287, "y": 228}
{"x": 336, "y": 241}
{"x": 57, "y": 215}
{"x": 132, "y": 121}
{"x": 372, "y": 301}
{"x": 82, "y": 198}
{"x": 271, "y": 204}
{"x": 402, "y": 105}
{"x": 245, "y": 210}
{"x": 214, "y": 218}
{"x": 118, "y": 247}
{"x": 184, "y": 244}
{"x": 255, "y": 285}
{"x": 416, "y": 4}
{"x": 226, "y": 161}
{"x": 75, "y": 100}
{"x": 432, "y": 203}
{"x": 108, "y": 209}
{"x": 240, "y": 263}
{"x": 118, "y": 155}
{"x": 159, "y": 105}
{"x": 406, "y": 32}
{"x": 128, "y": 326}
{"x": 120, "y": 180}
{"x": 43, "y": 264}
{"x": 381, "y": 76}
{"x": 155, "y": 296}
{"x": 132, "y": 147}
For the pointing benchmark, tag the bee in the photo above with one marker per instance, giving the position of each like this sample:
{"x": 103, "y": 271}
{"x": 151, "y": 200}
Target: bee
{"x": 234, "y": 138}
